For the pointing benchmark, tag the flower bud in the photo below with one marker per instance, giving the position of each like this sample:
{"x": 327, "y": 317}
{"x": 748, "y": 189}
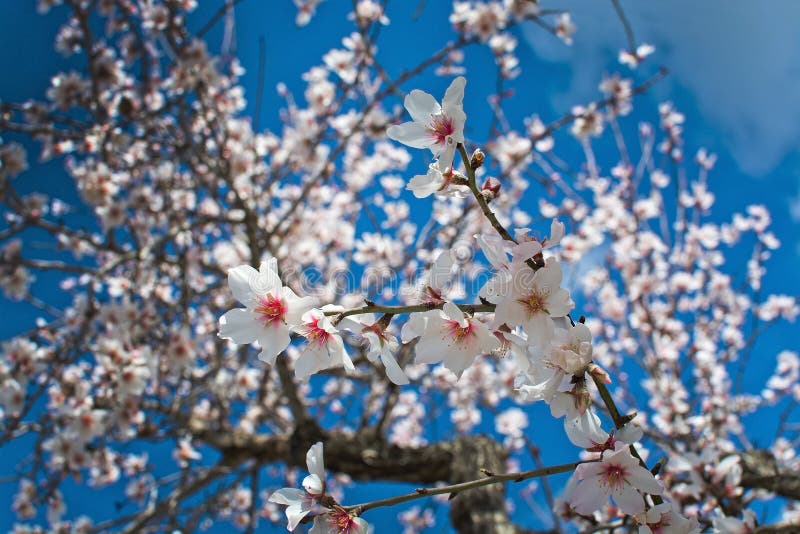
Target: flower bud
{"x": 599, "y": 373}
{"x": 490, "y": 188}
{"x": 477, "y": 158}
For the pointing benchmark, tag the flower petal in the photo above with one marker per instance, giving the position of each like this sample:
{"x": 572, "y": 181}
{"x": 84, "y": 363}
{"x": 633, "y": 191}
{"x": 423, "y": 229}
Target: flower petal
{"x": 424, "y": 185}
{"x": 454, "y": 96}
{"x": 588, "y": 496}
{"x": 239, "y": 279}
{"x": 287, "y": 496}
{"x": 393, "y": 370}
{"x": 273, "y": 340}
{"x": 240, "y": 326}
{"x": 644, "y": 480}
{"x": 629, "y": 500}
{"x": 421, "y": 106}
{"x": 412, "y": 134}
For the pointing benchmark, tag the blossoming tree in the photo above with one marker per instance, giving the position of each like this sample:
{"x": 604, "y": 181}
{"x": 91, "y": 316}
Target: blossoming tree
{"x": 265, "y": 302}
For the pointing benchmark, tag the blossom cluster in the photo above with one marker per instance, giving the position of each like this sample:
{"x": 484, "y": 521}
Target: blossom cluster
{"x": 133, "y": 381}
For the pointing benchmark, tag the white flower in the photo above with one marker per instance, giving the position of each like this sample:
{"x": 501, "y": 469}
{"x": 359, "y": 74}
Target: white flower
{"x": 565, "y": 28}
{"x": 424, "y": 185}
{"x": 662, "y": 519}
{"x": 271, "y": 309}
{"x": 382, "y": 345}
{"x": 617, "y": 475}
{"x": 571, "y": 349}
{"x": 633, "y": 58}
{"x": 450, "y": 336}
{"x": 531, "y": 300}
{"x": 300, "y": 501}
{"x": 324, "y": 346}
{"x": 439, "y": 128}
{"x": 338, "y": 521}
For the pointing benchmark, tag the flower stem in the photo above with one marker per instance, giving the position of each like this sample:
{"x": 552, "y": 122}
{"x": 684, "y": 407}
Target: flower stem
{"x": 473, "y": 186}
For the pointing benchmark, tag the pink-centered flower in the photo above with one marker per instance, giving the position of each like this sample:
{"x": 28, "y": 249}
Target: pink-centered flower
{"x": 324, "y": 346}
{"x": 663, "y": 519}
{"x": 338, "y": 521}
{"x": 300, "y": 501}
{"x": 380, "y": 344}
{"x": 449, "y": 336}
{"x": 531, "y": 300}
{"x": 271, "y": 309}
{"x": 437, "y": 127}
{"x": 619, "y": 476}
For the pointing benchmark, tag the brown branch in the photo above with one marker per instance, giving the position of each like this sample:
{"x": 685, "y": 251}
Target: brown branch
{"x": 760, "y": 470}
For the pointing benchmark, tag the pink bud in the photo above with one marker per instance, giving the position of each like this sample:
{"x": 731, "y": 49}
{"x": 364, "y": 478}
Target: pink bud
{"x": 599, "y": 373}
{"x": 491, "y": 187}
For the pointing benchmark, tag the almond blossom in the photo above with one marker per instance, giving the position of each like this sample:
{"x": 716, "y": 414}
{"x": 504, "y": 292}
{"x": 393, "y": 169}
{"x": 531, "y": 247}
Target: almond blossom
{"x": 324, "y": 347}
{"x": 619, "y": 476}
{"x": 271, "y": 309}
{"x": 338, "y": 521}
{"x": 531, "y": 300}
{"x": 299, "y": 502}
{"x": 663, "y": 519}
{"x": 424, "y": 185}
{"x": 450, "y": 336}
{"x": 381, "y": 344}
{"x": 437, "y": 127}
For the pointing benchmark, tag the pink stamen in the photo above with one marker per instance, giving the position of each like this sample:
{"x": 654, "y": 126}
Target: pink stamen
{"x": 440, "y": 128}
{"x": 270, "y": 310}
{"x": 460, "y": 334}
{"x": 534, "y": 303}
{"x": 614, "y": 476}
{"x": 315, "y": 333}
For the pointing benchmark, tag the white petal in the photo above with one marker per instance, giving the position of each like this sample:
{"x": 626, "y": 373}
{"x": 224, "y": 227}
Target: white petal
{"x": 361, "y": 526}
{"x": 412, "y": 134}
{"x": 321, "y": 525}
{"x": 557, "y": 230}
{"x": 239, "y": 279}
{"x": 487, "y": 341}
{"x": 549, "y": 277}
{"x": 421, "y": 106}
{"x": 268, "y": 272}
{"x": 585, "y": 430}
{"x": 588, "y": 496}
{"x": 273, "y": 340}
{"x": 629, "y": 500}
{"x": 393, "y": 370}
{"x": 287, "y": 496}
{"x": 559, "y": 303}
{"x": 425, "y": 185}
{"x": 312, "y": 359}
{"x": 313, "y": 485}
{"x": 296, "y": 512}
{"x": 315, "y": 461}
{"x": 296, "y": 306}
{"x": 539, "y": 328}
{"x": 441, "y": 270}
{"x": 509, "y": 311}
{"x": 454, "y": 96}
{"x": 430, "y": 349}
{"x": 526, "y": 249}
{"x": 414, "y": 327}
{"x": 240, "y": 326}
{"x": 493, "y": 247}
{"x": 455, "y": 314}
{"x": 644, "y": 480}
{"x": 445, "y": 153}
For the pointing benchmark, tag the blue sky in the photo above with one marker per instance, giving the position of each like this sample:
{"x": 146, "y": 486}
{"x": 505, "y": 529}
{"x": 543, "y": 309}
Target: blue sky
{"x": 735, "y": 73}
